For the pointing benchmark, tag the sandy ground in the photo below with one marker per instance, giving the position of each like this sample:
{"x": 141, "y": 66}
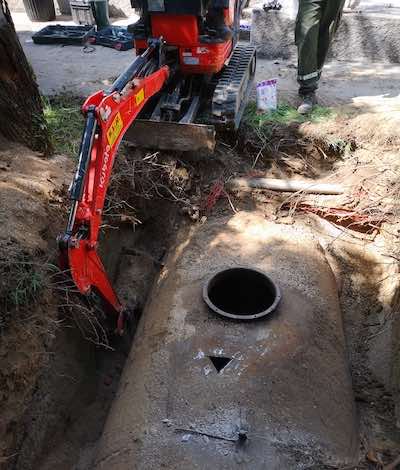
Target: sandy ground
{"x": 369, "y": 87}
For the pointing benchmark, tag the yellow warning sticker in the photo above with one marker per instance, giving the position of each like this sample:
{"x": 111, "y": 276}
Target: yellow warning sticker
{"x": 139, "y": 97}
{"x": 115, "y": 129}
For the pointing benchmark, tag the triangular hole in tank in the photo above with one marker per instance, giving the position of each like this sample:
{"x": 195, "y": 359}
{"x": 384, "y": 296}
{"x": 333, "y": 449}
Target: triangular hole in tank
{"x": 220, "y": 362}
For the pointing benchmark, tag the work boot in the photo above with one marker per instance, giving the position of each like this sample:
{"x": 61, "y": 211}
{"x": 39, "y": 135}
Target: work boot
{"x": 308, "y": 102}
{"x": 224, "y": 32}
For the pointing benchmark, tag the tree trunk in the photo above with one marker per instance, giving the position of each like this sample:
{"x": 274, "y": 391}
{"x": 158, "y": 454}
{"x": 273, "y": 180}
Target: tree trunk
{"x": 21, "y": 111}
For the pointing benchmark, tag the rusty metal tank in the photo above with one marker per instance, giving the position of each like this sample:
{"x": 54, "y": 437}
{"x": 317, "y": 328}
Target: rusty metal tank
{"x": 202, "y": 391}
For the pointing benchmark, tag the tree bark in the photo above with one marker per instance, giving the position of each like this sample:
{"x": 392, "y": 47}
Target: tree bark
{"x": 21, "y": 111}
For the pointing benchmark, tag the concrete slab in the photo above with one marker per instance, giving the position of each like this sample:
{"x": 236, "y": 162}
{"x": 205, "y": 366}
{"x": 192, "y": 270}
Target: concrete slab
{"x": 72, "y": 69}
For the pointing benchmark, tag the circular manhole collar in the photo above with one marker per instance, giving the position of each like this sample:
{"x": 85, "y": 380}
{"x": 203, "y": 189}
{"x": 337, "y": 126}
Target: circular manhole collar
{"x": 276, "y": 292}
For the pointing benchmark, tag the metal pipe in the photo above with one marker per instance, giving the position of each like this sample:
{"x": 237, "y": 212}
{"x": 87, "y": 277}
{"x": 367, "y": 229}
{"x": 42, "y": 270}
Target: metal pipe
{"x": 133, "y": 70}
{"x": 76, "y": 188}
{"x": 293, "y": 186}
{"x": 85, "y": 150}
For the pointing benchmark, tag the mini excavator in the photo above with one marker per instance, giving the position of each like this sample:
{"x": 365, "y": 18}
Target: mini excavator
{"x": 190, "y": 77}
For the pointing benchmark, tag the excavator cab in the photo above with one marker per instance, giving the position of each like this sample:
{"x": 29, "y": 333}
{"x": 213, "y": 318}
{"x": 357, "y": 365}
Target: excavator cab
{"x": 214, "y": 18}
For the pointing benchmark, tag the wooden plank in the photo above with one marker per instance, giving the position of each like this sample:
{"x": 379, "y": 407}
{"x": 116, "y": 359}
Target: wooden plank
{"x": 162, "y": 135}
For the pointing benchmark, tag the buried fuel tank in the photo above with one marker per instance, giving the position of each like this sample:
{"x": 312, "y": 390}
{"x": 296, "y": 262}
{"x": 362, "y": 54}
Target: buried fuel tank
{"x": 201, "y": 391}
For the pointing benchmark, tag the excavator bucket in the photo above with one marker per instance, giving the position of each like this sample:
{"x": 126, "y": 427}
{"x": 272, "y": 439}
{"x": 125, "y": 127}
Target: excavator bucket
{"x": 162, "y": 135}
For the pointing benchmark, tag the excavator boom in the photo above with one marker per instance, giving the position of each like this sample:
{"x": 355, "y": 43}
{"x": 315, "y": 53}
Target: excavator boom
{"x": 108, "y": 116}
{"x": 196, "y": 78}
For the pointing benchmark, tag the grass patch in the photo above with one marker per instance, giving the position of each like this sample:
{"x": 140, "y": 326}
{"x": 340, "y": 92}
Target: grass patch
{"x": 284, "y": 115}
{"x": 65, "y": 123}
{"x": 21, "y": 283}
{"x": 28, "y": 284}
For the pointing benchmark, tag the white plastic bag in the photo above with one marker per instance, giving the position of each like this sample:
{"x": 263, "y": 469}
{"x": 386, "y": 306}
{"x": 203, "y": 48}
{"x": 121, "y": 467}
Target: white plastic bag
{"x": 267, "y": 97}
{"x": 245, "y": 25}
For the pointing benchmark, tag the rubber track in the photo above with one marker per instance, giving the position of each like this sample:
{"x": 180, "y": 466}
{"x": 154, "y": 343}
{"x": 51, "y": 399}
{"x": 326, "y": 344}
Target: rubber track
{"x": 233, "y": 86}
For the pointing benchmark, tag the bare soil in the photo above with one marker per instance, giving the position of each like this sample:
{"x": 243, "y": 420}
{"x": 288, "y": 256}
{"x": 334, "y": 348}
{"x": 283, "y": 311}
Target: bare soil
{"x": 29, "y": 215}
{"x": 60, "y": 369}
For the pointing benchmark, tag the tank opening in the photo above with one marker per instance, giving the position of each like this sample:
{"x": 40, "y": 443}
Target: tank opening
{"x": 219, "y": 362}
{"x": 241, "y": 293}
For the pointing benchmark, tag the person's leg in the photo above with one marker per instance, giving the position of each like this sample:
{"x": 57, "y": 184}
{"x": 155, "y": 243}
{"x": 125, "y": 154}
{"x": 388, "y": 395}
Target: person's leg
{"x": 138, "y": 29}
{"x": 329, "y": 24}
{"x": 307, "y": 36}
{"x": 215, "y": 18}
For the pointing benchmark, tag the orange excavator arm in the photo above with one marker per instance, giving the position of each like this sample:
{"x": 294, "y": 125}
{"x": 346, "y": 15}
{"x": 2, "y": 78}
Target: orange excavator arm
{"x": 108, "y": 117}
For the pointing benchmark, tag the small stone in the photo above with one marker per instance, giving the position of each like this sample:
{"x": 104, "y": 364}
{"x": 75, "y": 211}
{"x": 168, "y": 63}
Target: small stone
{"x": 185, "y": 437}
{"x": 288, "y": 220}
{"x": 195, "y": 215}
{"x": 107, "y": 380}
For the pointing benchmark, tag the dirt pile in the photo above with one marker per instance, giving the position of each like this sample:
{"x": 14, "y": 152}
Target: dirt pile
{"x": 30, "y": 216}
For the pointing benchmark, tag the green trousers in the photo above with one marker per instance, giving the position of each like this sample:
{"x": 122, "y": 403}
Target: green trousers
{"x": 316, "y": 24}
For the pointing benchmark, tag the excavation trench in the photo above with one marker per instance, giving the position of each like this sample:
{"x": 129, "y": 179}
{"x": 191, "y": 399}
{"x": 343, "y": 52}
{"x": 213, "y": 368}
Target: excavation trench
{"x": 201, "y": 389}
{"x": 74, "y": 394}
{"x": 305, "y": 385}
